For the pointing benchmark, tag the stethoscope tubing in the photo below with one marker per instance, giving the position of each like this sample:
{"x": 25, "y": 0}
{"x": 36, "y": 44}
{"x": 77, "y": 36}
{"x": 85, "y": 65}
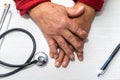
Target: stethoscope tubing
{"x": 28, "y": 61}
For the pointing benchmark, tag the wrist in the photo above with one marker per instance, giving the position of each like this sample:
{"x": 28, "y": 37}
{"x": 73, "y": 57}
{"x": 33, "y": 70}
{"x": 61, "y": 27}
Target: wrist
{"x": 87, "y": 17}
{"x": 96, "y": 4}
{"x": 88, "y": 9}
{"x": 39, "y": 10}
{"x": 25, "y": 5}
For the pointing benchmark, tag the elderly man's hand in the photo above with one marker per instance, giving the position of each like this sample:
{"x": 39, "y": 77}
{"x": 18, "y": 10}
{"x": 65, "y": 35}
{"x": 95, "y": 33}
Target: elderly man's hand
{"x": 59, "y": 29}
{"x": 84, "y": 21}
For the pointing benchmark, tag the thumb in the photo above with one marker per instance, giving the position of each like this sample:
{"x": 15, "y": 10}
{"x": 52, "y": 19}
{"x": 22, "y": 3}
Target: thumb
{"x": 75, "y": 11}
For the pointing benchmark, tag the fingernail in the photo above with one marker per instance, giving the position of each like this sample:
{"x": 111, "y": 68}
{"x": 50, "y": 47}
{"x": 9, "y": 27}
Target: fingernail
{"x": 81, "y": 7}
{"x": 85, "y": 34}
{"x": 72, "y": 57}
{"x": 55, "y": 56}
{"x": 57, "y": 64}
{"x": 81, "y": 58}
{"x": 64, "y": 64}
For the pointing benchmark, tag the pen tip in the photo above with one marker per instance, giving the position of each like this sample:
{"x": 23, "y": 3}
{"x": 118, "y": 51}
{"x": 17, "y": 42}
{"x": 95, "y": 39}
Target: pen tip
{"x": 7, "y": 5}
{"x": 98, "y": 75}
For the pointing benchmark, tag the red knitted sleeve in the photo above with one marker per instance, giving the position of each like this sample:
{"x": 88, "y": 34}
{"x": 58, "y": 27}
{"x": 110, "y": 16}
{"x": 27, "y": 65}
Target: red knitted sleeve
{"x": 24, "y": 5}
{"x": 97, "y": 4}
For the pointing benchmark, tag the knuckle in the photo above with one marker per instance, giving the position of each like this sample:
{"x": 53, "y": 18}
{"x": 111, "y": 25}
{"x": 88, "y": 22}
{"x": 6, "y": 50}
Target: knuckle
{"x": 51, "y": 45}
{"x": 70, "y": 37}
{"x": 53, "y": 51}
{"x": 78, "y": 47}
{"x": 85, "y": 34}
{"x": 71, "y": 47}
{"x": 76, "y": 29}
{"x": 61, "y": 42}
{"x": 79, "y": 31}
{"x": 69, "y": 52}
{"x": 50, "y": 42}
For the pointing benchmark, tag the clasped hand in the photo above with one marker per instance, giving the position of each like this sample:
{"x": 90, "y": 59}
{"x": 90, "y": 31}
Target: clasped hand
{"x": 64, "y": 28}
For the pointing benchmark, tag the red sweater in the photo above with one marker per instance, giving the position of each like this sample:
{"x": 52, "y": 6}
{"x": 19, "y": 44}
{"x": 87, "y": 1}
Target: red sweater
{"x": 24, "y": 5}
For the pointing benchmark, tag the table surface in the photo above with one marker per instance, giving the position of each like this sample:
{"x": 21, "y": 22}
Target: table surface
{"x": 103, "y": 38}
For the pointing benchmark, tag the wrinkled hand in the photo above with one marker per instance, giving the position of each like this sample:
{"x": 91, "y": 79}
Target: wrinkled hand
{"x": 59, "y": 30}
{"x": 84, "y": 21}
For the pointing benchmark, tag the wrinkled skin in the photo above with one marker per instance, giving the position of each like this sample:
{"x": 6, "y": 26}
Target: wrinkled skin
{"x": 84, "y": 21}
{"x": 64, "y": 28}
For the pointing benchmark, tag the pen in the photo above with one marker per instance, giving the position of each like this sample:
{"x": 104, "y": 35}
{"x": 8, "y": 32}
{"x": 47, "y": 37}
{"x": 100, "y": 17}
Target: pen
{"x": 4, "y": 14}
{"x": 103, "y": 68}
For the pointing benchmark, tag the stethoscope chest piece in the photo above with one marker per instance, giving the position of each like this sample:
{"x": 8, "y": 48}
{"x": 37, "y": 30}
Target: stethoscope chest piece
{"x": 41, "y": 58}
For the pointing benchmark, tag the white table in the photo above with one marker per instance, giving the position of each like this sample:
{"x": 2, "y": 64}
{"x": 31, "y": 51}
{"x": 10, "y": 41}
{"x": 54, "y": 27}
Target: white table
{"x": 103, "y": 38}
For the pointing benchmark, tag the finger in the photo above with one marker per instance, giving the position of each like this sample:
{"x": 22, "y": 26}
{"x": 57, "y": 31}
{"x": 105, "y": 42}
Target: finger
{"x": 73, "y": 40}
{"x": 65, "y": 61}
{"x": 77, "y": 30}
{"x": 80, "y": 56}
{"x": 71, "y": 47}
{"x": 80, "y": 53}
{"x": 75, "y": 11}
{"x": 53, "y": 48}
{"x": 59, "y": 60}
{"x": 64, "y": 45}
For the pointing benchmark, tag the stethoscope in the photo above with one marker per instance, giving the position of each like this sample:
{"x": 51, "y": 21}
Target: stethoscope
{"x": 39, "y": 58}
